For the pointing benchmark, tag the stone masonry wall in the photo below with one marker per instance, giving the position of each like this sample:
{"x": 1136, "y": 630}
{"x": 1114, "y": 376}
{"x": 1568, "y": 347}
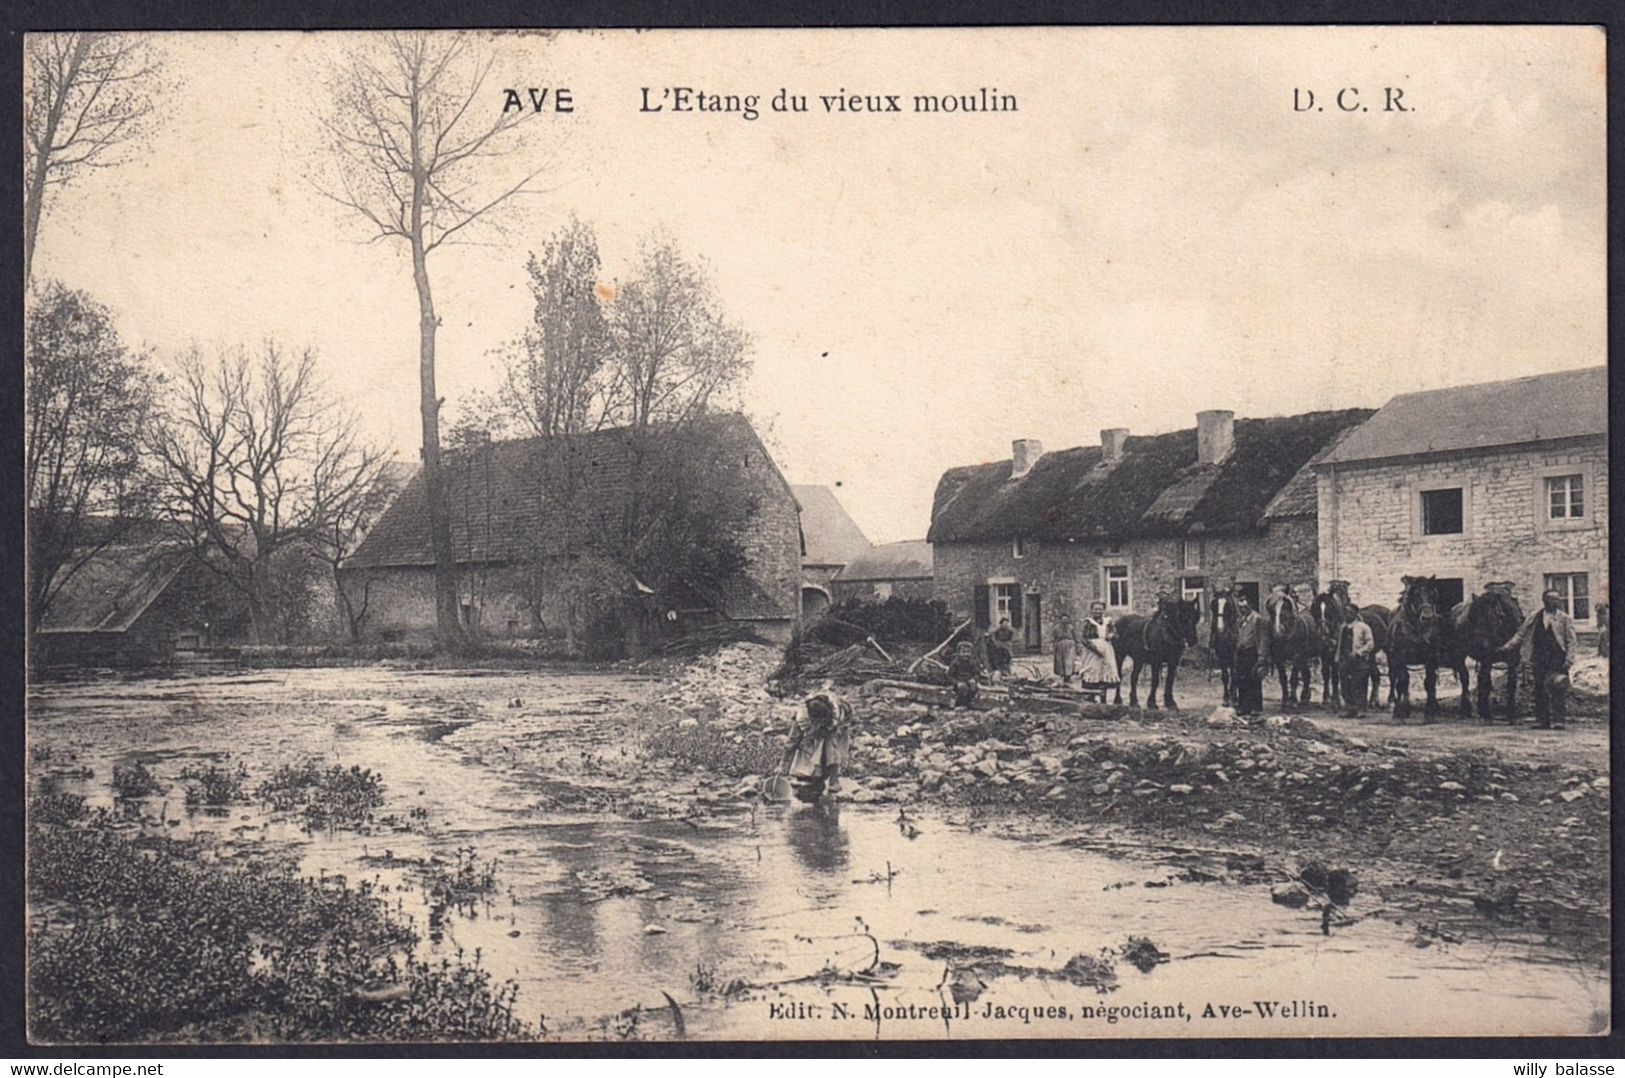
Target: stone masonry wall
{"x": 1068, "y": 578}
{"x": 1371, "y": 533}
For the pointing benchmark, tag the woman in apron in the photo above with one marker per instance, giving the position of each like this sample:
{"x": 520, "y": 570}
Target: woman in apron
{"x": 1099, "y": 658}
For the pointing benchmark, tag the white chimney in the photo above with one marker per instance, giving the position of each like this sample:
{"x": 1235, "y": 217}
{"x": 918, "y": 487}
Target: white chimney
{"x": 1024, "y": 453}
{"x": 1112, "y": 442}
{"x": 1215, "y": 435}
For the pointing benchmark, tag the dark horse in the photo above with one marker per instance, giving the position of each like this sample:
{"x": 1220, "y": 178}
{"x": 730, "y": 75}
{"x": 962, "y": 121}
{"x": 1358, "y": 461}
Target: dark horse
{"x": 1294, "y": 644}
{"x": 1329, "y": 610}
{"x": 1221, "y": 638}
{"x": 1419, "y": 634}
{"x": 1478, "y": 629}
{"x": 1157, "y": 641}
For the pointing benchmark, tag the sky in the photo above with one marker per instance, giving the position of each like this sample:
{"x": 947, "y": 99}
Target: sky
{"x": 1153, "y": 231}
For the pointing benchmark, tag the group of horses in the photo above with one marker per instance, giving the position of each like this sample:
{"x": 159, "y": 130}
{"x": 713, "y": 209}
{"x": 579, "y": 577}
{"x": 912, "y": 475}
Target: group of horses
{"x": 1417, "y": 632}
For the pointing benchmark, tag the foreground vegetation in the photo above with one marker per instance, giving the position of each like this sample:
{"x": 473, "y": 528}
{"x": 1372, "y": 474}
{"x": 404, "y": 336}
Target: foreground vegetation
{"x": 134, "y": 938}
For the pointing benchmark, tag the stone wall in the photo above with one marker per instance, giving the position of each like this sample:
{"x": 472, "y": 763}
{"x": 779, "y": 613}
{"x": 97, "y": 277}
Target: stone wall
{"x": 1068, "y": 578}
{"x": 1371, "y": 531}
{"x": 400, "y": 600}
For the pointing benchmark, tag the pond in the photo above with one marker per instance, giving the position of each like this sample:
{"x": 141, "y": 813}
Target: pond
{"x": 616, "y": 888}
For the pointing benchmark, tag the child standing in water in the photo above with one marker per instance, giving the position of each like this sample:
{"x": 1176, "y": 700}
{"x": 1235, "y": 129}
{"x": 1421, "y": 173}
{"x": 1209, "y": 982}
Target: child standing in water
{"x": 818, "y": 746}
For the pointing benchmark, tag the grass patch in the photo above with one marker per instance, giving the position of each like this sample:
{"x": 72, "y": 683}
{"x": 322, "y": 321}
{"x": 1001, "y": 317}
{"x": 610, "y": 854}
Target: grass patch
{"x": 134, "y": 781}
{"x": 701, "y": 745}
{"x": 214, "y": 786}
{"x": 331, "y": 798}
{"x": 152, "y": 944}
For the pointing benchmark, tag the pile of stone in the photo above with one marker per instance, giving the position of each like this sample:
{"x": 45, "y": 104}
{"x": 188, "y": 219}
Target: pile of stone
{"x": 729, "y": 688}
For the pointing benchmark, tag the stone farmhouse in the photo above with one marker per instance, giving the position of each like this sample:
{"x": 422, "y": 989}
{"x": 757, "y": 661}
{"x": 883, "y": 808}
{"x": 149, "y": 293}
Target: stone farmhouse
{"x": 1044, "y": 534}
{"x": 515, "y": 572}
{"x": 1504, "y": 481}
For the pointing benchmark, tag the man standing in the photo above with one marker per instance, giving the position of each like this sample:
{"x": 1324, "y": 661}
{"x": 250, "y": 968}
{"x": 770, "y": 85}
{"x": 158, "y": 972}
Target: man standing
{"x": 1549, "y": 643}
{"x": 1252, "y": 656}
{"x": 1355, "y": 649}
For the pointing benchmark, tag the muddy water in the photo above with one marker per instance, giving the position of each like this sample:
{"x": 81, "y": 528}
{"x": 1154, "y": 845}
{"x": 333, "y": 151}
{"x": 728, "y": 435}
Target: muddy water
{"x": 617, "y": 889}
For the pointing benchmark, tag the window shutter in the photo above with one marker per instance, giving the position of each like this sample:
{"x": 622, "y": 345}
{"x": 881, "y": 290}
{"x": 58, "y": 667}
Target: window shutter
{"x": 1015, "y": 607}
{"x": 980, "y": 605}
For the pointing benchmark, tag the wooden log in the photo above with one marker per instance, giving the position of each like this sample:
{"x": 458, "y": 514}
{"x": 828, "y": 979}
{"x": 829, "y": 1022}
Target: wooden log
{"x": 961, "y": 627}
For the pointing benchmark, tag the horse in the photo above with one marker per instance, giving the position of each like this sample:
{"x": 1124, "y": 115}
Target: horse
{"x": 1157, "y": 641}
{"x": 1418, "y": 635}
{"x": 1221, "y": 639}
{"x": 1478, "y": 629}
{"x": 1294, "y": 643}
{"x": 1330, "y": 608}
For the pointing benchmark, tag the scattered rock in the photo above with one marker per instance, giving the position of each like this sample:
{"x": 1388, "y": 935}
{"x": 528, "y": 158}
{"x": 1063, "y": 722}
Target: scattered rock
{"x": 1293, "y": 896}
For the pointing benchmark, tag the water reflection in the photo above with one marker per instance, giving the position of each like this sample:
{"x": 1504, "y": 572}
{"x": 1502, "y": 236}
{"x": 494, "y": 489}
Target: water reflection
{"x": 817, "y": 838}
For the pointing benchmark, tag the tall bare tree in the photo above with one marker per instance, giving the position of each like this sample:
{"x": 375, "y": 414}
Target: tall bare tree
{"x": 87, "y": 99}
{"x": 87, "y": 401}
{"x": 254, "y": 466}
{"x": 416, "y": 142}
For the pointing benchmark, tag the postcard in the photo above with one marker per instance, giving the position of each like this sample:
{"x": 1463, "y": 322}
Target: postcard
{"x": 806, "y": 534}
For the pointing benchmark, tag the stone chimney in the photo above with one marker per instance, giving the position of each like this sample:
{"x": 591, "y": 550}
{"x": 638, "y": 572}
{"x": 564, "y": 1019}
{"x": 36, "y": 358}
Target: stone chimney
{"x": 1112, "y": 442}
{"x": 1215, "y": 435}
{"x": 1024, "y": 453}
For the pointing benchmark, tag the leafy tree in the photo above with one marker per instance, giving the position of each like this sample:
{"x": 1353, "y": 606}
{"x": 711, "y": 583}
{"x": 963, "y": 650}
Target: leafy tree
{"x": 88, "y": 399}
{"x": 555, "y": 380}
{"x": 648, "y": 363}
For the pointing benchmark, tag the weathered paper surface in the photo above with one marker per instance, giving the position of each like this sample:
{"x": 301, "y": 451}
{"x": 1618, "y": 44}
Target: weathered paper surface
{"x": 937, "y": 242}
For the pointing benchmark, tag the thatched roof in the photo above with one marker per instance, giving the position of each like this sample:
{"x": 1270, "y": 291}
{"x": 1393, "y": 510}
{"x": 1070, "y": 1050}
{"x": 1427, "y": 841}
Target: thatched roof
{"x": 1157, "y": 489}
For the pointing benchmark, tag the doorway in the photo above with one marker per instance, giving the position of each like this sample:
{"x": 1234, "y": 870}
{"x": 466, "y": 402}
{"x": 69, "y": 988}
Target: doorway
{"x": 1033, "y": 630}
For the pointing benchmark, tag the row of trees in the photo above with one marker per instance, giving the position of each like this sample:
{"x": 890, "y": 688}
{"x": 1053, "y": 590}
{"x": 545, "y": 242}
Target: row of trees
{"x": 238, "y": 459}
{"x": 243, "y": 458}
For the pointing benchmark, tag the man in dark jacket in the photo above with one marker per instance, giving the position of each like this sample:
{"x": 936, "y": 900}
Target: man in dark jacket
{"x": 1252, "y": 657}
{"x": 1549, "y": 645}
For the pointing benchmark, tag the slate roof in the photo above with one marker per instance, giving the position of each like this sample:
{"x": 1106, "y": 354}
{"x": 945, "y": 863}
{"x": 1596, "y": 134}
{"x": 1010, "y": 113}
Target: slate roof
{"x": 829, "y": 535}
{"x": 112, "y": 590}
{"x": 1463, "y": 418}
{"x": 906, "y": 560}
{"x": 499, "y": 511}
{"x": 1157, "y": 489}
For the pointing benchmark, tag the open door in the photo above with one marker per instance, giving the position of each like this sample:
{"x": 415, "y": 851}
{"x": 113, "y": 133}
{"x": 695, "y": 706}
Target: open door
{"x": 1033, "y": 622}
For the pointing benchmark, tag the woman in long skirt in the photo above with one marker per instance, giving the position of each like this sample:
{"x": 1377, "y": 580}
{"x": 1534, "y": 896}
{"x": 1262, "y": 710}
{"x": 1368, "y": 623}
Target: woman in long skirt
{"x": 1098, "y": 659}
{"x": 1066, "y": 651}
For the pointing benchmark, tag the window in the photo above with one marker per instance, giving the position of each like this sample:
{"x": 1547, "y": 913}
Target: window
{"x": 1003, "y": 598}
{"x": 1450, "y": 591}
{"x": 1117, "y": 593}
{"x": 1574, "y": 593}
{"x": 1441, "y": 512}
{"x": 1565, "y": 497}
{"x": 883, "y": 590}
{"x": 1018, "y": 547}
{"x": 1194, "y": 589}
{"x": 1190, "y": 553}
